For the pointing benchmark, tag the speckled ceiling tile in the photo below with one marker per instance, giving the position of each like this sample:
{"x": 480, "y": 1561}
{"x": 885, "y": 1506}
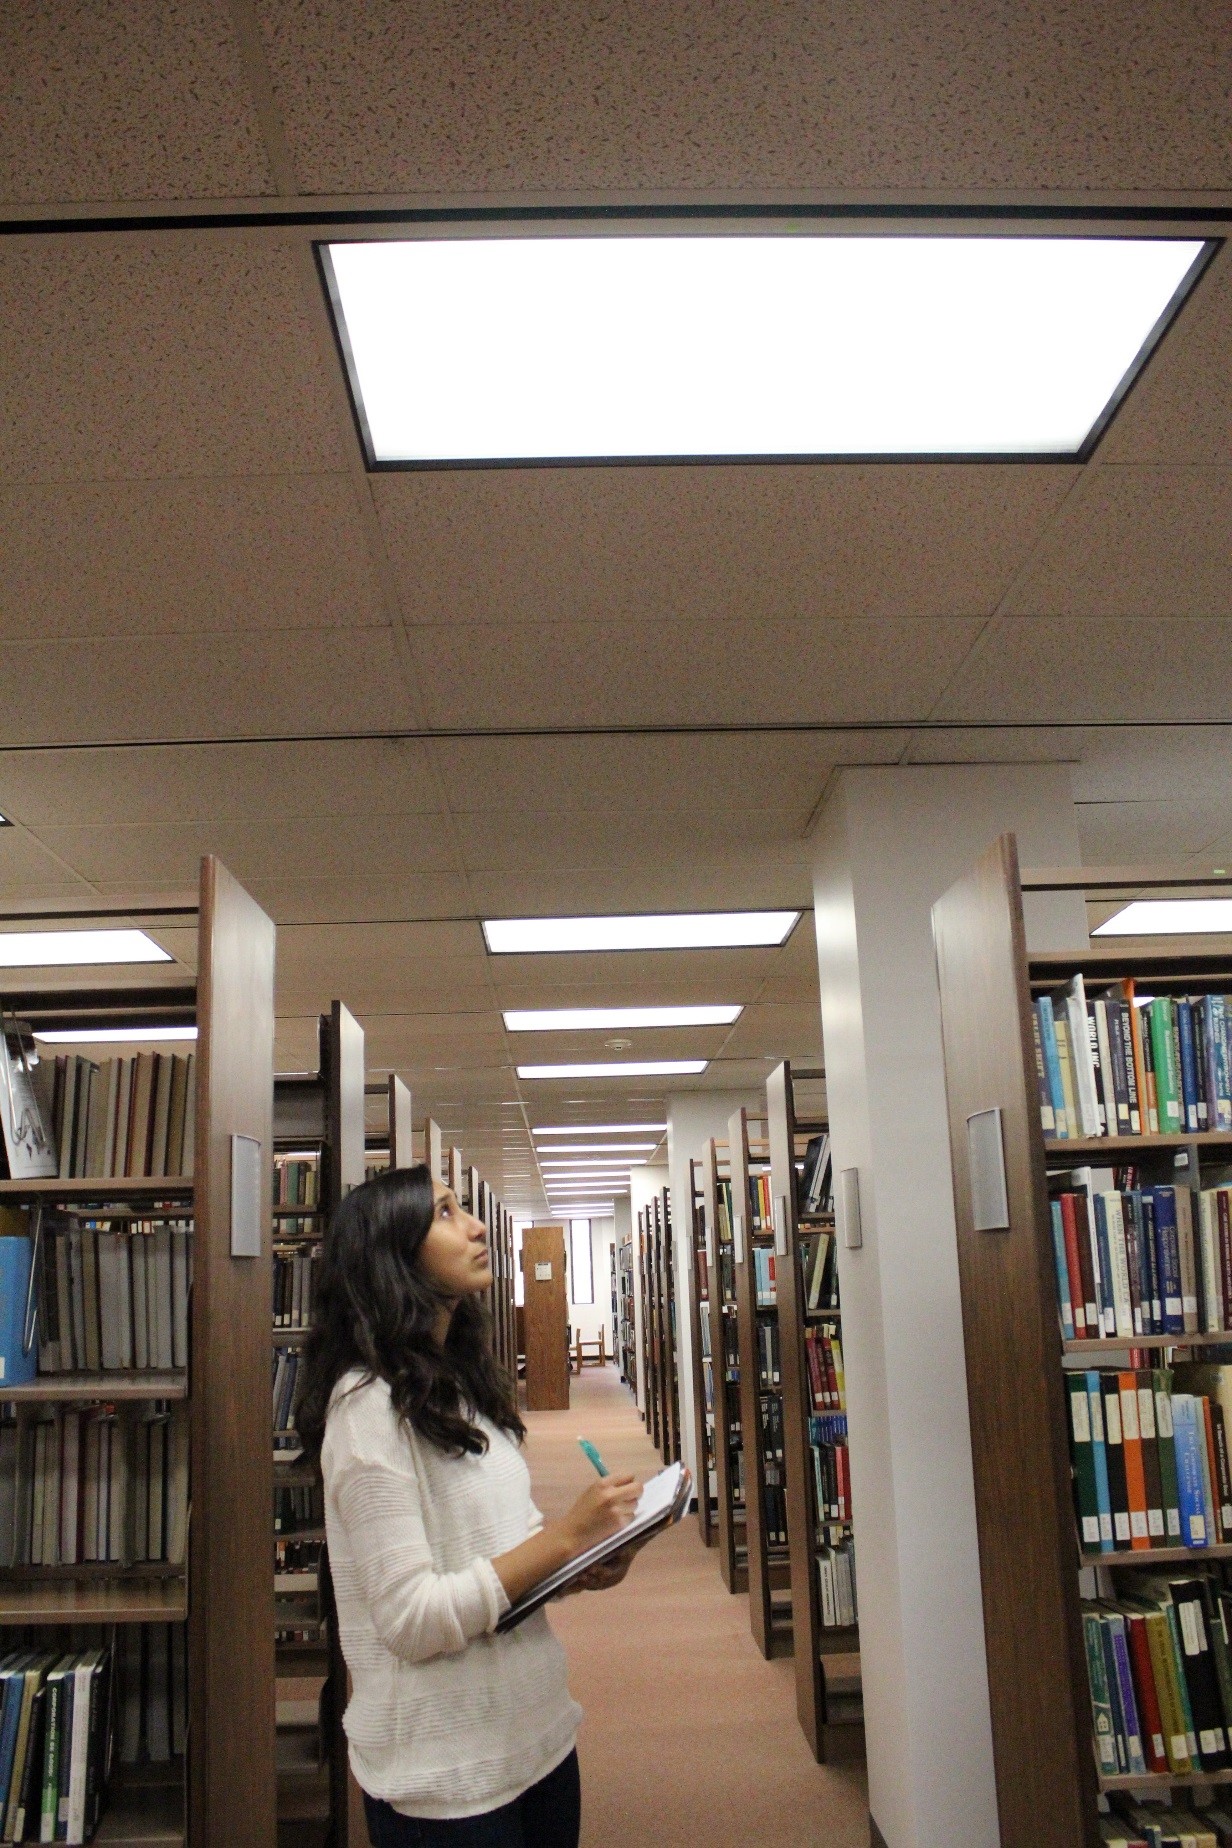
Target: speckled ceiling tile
{"x": 125, "y": 100}
{"x": 733, "y": 543}
{"x": 542, "y": 95}
{"x": 1181, "y": 408}
{"x": 160, "y": 354}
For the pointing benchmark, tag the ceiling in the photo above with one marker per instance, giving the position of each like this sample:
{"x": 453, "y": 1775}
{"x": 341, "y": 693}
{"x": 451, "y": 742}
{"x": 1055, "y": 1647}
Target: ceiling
{"x": 397, "y": 703}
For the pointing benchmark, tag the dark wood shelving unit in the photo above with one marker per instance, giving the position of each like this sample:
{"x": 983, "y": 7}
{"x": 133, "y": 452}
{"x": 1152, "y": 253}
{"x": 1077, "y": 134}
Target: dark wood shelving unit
{"x": 730, "y": 1516}
{"x": 769, "y": 1569}
{"x": 648, "y": 1358}
{"x": 223, "y": 1790}
{"x": 828, "y": 1700}
{"x": 699, "y": 1311}
{"x": 663, "y": 1285}
{"x": 1046, "y": 1772}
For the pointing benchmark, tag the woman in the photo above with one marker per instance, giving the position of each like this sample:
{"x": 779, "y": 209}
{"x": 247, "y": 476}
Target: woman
{"x": 459, "y": 1738}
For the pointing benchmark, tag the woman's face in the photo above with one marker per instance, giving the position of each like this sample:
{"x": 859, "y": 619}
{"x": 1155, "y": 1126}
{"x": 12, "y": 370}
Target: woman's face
{"x": 454, "y": 1255}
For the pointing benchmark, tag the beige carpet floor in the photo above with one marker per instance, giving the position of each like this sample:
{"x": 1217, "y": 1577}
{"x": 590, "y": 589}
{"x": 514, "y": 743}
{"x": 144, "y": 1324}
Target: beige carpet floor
{"x": 690, "y": 1737}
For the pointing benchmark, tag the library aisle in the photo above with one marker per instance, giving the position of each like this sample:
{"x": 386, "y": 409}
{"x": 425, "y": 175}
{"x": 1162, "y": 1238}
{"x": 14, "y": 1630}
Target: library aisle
{"x": 689, "y": 1733}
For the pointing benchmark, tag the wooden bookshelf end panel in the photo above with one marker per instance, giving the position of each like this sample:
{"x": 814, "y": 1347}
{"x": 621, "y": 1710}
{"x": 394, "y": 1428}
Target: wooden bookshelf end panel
{"x": 1036, "y": 1677}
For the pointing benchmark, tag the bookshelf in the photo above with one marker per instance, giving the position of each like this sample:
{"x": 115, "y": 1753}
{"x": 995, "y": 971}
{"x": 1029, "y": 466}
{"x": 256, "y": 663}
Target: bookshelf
{"x": 728, "y": 1441}
{"x": 319, "y": 1132}
{"x": 1034, "y": 1576}
{"x": 664, "y": 1284}
{"x": 626, "y": 1349}
{"x": 761, "y": 1398}
{"x": 212, "y": 1613}
{"x": 703, "y": 1363}
{"x": 389, "y": 1146}
{"x": 648, "y": 1365}
{"x": 827, "y": 1665}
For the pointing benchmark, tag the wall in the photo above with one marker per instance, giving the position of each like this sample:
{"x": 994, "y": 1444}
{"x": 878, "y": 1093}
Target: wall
{"x": 888, "y": 843}
{"x": 586, "y": 1317}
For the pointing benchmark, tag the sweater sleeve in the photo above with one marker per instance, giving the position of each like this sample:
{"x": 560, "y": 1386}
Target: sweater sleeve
{"x": 416, "y": 1612}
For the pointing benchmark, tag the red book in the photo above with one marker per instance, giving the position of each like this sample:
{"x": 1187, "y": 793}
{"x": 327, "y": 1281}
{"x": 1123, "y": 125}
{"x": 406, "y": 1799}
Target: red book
{"x": 844, "y": 1489}
{"x": 827, "y": 1354}
{"x": 1149, "y": 1715}
{"x": 1135, "y": 1475}
{"x": 1073, "y": 1264}
{"x": 814, "y": 1368}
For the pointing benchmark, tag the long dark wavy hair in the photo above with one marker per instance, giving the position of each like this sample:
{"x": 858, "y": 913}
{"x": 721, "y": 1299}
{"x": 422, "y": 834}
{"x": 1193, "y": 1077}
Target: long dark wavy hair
{"x": 376, "y": 1310}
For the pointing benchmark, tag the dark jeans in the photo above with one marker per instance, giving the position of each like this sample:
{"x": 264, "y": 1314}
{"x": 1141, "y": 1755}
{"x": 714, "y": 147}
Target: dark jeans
{"x": 548, "y": 1815}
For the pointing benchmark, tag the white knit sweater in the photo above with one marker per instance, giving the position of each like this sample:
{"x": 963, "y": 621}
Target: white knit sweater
{"x": 445, "y": 1719}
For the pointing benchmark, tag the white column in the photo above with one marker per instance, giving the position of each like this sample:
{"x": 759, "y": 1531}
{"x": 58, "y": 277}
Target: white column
{"x": 693, "y": 1117}
{"x": 888, "y": 843}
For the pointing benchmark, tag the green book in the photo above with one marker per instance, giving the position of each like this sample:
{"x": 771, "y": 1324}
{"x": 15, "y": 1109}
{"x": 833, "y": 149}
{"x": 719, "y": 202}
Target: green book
{"x": 1101, "y": 1700}
{"x": 1167, "y": 1064}
{"x": 1161, "y": 1380}
{"x": 50, "y": 1795}
{"x": 1082, "y": 1455}
{"x": 1217, "y": 1628}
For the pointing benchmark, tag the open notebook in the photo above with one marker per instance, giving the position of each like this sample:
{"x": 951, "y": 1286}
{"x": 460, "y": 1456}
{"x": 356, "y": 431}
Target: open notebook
{"x": 663, "y": 1500}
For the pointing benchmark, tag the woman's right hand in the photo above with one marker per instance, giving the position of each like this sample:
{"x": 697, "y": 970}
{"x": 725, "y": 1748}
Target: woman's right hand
{"x": 603, "y": 1509}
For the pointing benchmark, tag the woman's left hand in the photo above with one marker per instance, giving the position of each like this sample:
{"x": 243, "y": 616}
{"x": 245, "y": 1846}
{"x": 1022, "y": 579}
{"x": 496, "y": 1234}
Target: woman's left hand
{"x": 603, "y": 1576}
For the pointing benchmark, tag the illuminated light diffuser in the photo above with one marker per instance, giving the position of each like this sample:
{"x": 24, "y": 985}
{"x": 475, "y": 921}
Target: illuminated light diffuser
{"x": 118, "y": 1036}
{"x": 653, "y": 1068}
{"x": 595, "y": 1019}
{"x": 46, "y": 949}
{"x": 697, "y": 930}
{"x": 475, "y": 348}
{"x": 1169, "y": 917}
{"x": 600, "y": 1129}
{"x": 595, "y": 1148}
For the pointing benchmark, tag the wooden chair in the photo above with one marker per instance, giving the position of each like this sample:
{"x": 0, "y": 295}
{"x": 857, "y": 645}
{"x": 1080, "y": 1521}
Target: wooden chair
{"x": 590, "y": 1353}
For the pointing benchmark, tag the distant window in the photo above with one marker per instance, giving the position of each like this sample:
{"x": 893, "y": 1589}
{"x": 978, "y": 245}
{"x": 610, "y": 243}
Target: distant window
{"x": 580, "y": 1262}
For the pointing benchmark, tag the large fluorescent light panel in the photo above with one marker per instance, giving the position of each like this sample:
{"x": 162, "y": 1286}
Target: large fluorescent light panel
{"x": 1169, "y": 917}
{"x": 595, "y": 1019}
{"x": 598, "y": 1129}
{"x": 111, "y": 1036}
{"x": 650, "y": 1068}
{"x": 703, "y": 930}
{"x": 483, "y": 349}
{"x": 45, "y": 949}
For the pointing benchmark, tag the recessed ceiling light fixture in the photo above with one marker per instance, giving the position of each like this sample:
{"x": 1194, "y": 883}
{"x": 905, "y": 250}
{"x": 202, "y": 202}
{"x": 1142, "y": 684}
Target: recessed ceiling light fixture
{"x": 700, "y": 930}
{"x": 621, "y": 1068}
{"x": 118, "y": 1036}
{"x": 599, "y": 1129}
{"x": 594, "y": 1019}
{"x": 472, "y": 348}
{"x": 46, "y": 949}
{"x": 590, "y": 1167}
{"x": 1169, "y": 917}
{"x": 595, "y": 1148}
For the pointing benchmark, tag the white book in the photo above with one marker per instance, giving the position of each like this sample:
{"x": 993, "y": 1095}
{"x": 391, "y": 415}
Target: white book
{"x": 70, "y": 1487}
{"x": 1080, "y": 1049}
{"x": 1208, "y": 1260}
{"x": 180, "y": 1268}
{"x": 825, "y": 1577}
{"x": 79, "y": 1741}
{"x": 1122, "y": 1297}
{"x": 141, "y": 1325}
{"x": 164, "y": 1311}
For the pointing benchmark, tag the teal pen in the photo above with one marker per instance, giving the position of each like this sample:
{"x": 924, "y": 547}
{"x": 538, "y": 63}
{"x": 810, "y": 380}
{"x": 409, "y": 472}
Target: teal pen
{"x": 593, "y": 1455}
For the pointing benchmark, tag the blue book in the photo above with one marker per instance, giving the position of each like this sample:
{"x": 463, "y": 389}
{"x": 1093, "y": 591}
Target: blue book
{"x": 1136, "y": 1228}
{"x": 1095, "y": 1401}
{"x": 1115, "y": 1624}
{"x": 16, "y": 1368}
{"x": 1112, "y": 1682}
{"x": 1189, "y": 1470}
{"x": 1168, "y": 1259}
{"x": 13, "y": 1676}
{"x": 1052, "y": 1066}
{"x": 1064, "y": 1294}
{"x": 1103, "y": 1285}
{"x": 1188, "y": 1065}
{"x": 1218, "y": 1083}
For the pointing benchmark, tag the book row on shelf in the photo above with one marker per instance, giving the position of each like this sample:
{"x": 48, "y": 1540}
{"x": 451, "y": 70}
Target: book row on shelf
{"x": 836, "y": 1580}
{"x": 1109, "y": 1667}
{"x": 1150, "y": 1464}
{"x": 126, "y": 1116}
{"x": 1142, "y": 1260}
{"x": 114, "y": 1296}
{"x": 769, "y": 1354}
{"x": 106, "y": 1485}
{"x": 823, "y": 1354}
{"x": 296, "y": 1272}
{"x": 1121, "y": 1063}
{"x": 831, "y": 1466}
{"x": 287, "y": 1374}
{"x": 819, "y": 1259}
